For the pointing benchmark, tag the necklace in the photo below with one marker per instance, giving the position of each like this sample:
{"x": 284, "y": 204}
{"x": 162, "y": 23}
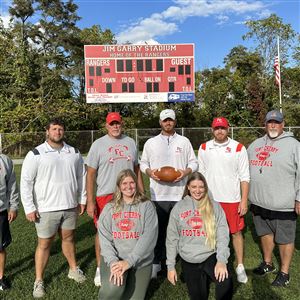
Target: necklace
{"x": 265, "y": 153}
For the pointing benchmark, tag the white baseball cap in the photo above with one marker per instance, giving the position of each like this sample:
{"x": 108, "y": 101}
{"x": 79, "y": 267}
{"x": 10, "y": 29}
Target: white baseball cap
{"x": 167, "y": 114}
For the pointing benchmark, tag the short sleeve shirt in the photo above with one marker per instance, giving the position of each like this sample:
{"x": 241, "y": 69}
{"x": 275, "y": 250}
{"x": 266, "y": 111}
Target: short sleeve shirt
{"x": 109, "y": 156}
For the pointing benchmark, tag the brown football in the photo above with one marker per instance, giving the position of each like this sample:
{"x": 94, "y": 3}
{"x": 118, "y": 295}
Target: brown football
{"x": 167, "y": 173}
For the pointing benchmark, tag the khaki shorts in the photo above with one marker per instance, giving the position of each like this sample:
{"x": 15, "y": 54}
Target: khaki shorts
{"x": 49, "y": 222}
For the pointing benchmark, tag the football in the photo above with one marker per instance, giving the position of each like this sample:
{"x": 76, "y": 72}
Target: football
{"x": 167, "y": 174}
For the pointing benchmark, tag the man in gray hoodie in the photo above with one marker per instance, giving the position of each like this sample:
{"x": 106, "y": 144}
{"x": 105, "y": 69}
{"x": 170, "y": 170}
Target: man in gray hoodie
{"x": 9, "y": 201}
{"x": 275, "y": 194}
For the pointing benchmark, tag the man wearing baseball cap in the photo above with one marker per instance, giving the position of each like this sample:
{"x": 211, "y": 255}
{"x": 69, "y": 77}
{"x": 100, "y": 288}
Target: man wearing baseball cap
{"x": 166, "y": 149}
{"x": 108, "y": 156}
{"x": 275, "y": 194}
{"x": 224, "y": 163}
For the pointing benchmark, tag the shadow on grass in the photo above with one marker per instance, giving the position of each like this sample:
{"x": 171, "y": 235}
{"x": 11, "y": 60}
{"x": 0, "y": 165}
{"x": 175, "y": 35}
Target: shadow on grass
{"x": 83, "y": 232}
{"x": 155, "y": 284}
{"x": 161, "y": 288}
{"x": 85, "y": 256}
{"x": 262, "y": 288}
{"x": 20, "y": 266}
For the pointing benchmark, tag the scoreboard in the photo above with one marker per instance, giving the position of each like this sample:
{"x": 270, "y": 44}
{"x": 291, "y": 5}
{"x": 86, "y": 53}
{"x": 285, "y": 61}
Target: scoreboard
{"x": 139, "y": 73}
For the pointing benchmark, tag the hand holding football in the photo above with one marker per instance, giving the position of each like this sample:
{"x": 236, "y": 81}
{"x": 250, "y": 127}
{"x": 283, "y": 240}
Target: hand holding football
{"x": 167, "y": 174}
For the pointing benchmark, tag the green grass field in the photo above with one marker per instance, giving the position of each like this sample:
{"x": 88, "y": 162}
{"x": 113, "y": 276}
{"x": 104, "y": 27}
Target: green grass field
{"x": 20, "y": 268}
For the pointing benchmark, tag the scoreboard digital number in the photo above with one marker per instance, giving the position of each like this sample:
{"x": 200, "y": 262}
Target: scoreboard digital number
{"x": 139, "y": 73}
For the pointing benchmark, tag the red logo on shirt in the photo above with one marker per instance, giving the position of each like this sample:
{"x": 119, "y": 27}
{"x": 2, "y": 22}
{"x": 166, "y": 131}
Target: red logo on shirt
{"x": 228, "y": 150}
{"x": 125, "y": 224}
{"x": 195, "y": 222}
{"x": 178, "y": 150}
{"x": 118, "y": 152}
{"x": 263, "y": 155}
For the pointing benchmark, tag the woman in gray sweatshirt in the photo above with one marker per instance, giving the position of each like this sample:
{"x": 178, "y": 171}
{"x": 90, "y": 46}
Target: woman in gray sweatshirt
{"x": 128, "y": 230}
{"x": 198, "y": 232}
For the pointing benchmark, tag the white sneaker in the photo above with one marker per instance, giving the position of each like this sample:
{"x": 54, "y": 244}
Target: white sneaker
{"x": 77, "y": 275}
{"x": 155, "y": 269}
{"x": 38, "y": 289}
{"x": 241, "y": 274}
{"x": 97, "y": 279}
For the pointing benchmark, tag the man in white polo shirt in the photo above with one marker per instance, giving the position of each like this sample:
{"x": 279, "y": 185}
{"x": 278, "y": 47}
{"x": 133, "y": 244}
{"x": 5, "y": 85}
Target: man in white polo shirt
{"x": 52, "y": 192}
{"x": 166, "y": 149}
{"x": 224, "y": 163}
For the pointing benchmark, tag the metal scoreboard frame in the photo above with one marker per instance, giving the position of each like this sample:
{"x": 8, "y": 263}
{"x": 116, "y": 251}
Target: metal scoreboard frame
{"x": 139, "y": 73}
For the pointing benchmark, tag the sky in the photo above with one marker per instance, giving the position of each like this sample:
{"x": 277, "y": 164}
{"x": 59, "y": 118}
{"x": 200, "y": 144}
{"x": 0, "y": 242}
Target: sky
{"x": 214, "y": 26}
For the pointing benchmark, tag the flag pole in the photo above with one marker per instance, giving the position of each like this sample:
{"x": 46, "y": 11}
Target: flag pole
{"x": 279, "y": 66}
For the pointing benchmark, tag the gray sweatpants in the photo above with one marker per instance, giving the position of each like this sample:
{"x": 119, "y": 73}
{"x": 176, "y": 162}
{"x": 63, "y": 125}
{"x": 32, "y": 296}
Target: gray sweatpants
{"x": 134, "y": 287}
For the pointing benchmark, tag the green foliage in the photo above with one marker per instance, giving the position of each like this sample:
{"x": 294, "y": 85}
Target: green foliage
{"x": 265, "y": 33}
{"x": 41, "y": 66}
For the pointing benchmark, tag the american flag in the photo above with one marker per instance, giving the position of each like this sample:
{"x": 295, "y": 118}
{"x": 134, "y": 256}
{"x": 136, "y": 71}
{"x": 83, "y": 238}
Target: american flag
{"x": 277, "y": 71}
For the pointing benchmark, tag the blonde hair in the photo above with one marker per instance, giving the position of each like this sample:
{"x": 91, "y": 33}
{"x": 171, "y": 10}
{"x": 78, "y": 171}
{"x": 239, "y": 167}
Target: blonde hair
{"x": 205, "y": 208}
{"x": 118, "y": 197}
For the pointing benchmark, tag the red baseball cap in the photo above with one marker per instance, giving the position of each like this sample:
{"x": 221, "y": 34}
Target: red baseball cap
{"x": 220, "y": 122}
{"x": 113, "y": 116}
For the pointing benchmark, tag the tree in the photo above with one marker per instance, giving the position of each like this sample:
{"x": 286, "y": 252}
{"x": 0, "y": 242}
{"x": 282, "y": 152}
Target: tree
{"x": 247, "y": 101}
{"x": 265, "y": 32}
{"x": 296, "y": 54}
{"x": 55, "y": 39}
{"x": 87, "y": 36}
{"x": 23, "y": 76}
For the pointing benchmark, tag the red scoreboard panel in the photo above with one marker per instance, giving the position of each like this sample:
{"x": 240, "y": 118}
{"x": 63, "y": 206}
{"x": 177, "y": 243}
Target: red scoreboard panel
{"x": 139, "y": 73}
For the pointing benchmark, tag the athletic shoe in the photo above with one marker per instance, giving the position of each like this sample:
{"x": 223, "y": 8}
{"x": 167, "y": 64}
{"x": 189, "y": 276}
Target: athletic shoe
{"x": 77, "y": 275}
{"x": 97, "y": 279}
{"x": 155, "y": 269}
{"x": 281, "y": 280}
{"x": 4, "y": 284}
{"x": 264, "y": 268}
{"x": 38, "y": 289}
{"x": 241, "y": 274}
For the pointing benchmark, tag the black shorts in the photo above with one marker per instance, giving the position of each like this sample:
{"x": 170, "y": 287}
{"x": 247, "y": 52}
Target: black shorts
{"x": 5, "y": 237}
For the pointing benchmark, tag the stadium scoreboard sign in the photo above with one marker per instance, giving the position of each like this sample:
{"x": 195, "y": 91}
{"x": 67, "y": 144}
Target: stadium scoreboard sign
{"x": 139, "y": 73}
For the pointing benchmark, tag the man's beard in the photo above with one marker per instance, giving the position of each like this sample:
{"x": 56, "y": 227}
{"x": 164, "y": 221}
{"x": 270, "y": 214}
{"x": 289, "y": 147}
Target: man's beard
{"x": 56, "y": 141}
{"x": 273, "y": 134}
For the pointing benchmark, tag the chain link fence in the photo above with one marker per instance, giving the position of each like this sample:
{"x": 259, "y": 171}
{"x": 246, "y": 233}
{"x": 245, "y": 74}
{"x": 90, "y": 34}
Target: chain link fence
{"x": 16, "y": 145}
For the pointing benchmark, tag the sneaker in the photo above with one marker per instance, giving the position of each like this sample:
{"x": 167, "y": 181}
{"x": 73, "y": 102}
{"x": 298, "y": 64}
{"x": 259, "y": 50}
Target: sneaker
{"x": 155, "y": 269}
{"x": 38, "y": 289}
{"x": 281, "y": 280}
{"x": 241, "y": 274}
{"x": 97, "y": 279}
{"x": 4, "y": 284}
{"x": 77, "y": 275}
{"x": 264, "y": 268}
